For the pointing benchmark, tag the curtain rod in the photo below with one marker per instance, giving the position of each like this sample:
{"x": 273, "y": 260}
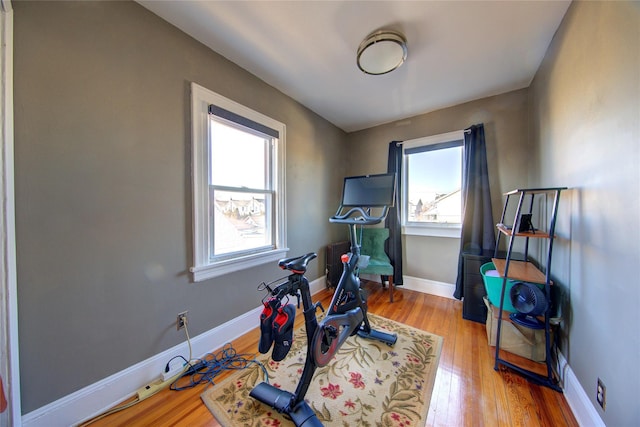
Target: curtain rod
{"x": 399, "y": 143}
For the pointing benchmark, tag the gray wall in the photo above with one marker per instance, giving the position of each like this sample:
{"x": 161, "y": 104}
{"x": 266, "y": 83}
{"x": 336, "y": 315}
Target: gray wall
{"x": 586, "y": 127}
{"x": 103, "y": 190}
{"x": 505, "y": 119}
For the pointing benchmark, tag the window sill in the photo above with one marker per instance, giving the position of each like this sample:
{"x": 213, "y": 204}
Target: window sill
{"x": 221, "y": 268}
{"x": 450, "y": 231}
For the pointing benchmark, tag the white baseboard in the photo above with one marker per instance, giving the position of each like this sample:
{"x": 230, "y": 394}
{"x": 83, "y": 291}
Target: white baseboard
{"x": 426, "y": 286}
{"x": 98, "y": 397}
{"x": 582, "y": 408}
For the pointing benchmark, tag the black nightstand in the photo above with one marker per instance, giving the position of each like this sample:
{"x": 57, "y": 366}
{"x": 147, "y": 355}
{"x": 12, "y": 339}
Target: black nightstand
{"x": 473, "y": 307}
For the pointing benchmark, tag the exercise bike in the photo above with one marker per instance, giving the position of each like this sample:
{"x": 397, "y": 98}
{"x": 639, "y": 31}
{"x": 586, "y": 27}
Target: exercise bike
{"x": 347, "y": 314}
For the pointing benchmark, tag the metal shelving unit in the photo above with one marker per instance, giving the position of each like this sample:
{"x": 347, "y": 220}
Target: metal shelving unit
{"x": 526, "y": 271}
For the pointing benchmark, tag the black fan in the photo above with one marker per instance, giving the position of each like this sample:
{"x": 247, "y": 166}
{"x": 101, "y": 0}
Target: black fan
{"x": 529, "y": 301}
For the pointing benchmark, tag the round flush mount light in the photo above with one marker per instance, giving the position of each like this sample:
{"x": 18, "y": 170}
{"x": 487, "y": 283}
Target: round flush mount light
{"x": 382, "y": 52}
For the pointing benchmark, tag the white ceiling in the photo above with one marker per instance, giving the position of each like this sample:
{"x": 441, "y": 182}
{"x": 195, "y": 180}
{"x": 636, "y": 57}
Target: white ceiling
{"x": 458, "y": 50}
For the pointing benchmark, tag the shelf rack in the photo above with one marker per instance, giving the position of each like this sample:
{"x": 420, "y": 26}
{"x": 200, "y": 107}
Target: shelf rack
{"x": 525, "y": 271}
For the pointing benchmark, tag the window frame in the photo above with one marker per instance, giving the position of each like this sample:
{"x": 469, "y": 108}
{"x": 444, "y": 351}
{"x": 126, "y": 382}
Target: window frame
{"x": 450, "y": 230}
{"x": 203, "y": 267}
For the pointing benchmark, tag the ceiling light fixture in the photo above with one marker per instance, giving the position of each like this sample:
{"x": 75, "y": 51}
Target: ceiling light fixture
{"x": 382, "y": 52}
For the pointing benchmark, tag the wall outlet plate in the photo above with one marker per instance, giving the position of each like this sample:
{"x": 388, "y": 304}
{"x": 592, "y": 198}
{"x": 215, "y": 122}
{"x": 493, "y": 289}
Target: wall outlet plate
{"x": 601, "y": 394}
{"x": 181, "y": 320}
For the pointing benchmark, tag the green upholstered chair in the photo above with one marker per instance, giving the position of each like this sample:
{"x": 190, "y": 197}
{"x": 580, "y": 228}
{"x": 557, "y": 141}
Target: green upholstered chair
{"x": 373, "y": 246}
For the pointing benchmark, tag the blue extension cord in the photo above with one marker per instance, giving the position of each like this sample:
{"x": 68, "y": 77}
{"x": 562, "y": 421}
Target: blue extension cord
{"x": 213, "y": 364}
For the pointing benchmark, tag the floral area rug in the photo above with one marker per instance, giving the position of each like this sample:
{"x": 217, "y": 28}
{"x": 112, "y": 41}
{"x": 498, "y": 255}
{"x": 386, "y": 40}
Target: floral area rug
{"x": 368, "y": 383}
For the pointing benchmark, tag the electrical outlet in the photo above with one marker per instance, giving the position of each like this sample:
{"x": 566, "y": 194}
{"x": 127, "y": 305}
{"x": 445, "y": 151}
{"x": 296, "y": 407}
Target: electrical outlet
{"x": 601, "y": 394}
{"x": 156, "y": 386}
{"x": 150, "y": 389}
{"x": 182, "y": 320}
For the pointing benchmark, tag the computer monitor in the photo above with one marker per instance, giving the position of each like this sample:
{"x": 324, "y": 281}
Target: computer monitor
{"x": 369, "y": 190}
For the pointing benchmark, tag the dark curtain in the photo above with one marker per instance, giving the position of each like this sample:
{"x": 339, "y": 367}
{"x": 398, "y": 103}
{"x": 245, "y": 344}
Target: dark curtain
{"x": 478, "y": 228}
{"x": 394, "y": 243}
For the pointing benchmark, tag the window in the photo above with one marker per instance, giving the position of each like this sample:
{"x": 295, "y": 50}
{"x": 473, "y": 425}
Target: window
{"x": 432, "y": 184}
{"x": 238, "y": 186}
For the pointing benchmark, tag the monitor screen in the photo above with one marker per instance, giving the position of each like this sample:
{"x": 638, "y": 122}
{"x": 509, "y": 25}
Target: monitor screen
{"x": 369, "y": 190}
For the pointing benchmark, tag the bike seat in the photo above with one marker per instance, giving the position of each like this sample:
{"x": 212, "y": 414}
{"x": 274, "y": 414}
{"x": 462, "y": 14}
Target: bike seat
{"x": 297, "y": 264}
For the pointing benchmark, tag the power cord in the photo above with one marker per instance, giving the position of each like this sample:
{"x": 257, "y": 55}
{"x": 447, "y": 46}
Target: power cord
{"x": 110, "y": 411}
{"x": 149, "y": 390}
{"x": 214, "y": 364}
{"x": 167, "y": 367}
{"x": 198, "y": 372}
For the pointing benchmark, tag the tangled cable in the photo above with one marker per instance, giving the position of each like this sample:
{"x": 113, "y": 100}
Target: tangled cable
{"x": 211, "y": 365}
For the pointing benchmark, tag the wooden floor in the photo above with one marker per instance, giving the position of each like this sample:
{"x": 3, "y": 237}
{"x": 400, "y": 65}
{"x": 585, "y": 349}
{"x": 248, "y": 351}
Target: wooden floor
{"x": 467, "y": 391}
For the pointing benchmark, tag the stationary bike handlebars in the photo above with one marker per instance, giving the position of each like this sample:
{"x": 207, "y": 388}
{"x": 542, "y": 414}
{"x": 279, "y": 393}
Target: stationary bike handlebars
{"x": 364, "y": 218}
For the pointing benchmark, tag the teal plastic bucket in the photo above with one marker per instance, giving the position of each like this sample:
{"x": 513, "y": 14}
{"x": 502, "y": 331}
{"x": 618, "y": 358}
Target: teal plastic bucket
{"x": 493, "y": 286}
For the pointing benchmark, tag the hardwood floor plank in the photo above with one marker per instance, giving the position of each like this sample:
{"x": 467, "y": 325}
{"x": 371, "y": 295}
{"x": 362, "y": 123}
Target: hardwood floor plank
{"x": 467, "y": 390}
{"x": 489, "y": 390}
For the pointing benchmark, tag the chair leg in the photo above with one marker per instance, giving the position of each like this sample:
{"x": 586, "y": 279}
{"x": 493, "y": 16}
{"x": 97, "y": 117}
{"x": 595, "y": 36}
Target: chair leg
{"x": 390, "y": 279}
{"x": 383, "y": 280}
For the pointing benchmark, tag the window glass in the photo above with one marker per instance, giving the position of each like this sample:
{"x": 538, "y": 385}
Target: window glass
{"x": 241, "y": 221}
{"x": 229, "y": 143}
{"x": 432, "y": 183}
{"x": 240, "y": 190}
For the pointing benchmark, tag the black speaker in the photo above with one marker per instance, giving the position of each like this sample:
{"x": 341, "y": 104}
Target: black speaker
{"x": 525, "y": 224}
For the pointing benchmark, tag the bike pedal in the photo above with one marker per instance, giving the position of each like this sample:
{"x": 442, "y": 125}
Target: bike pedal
{"x": 330, "y": 331}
